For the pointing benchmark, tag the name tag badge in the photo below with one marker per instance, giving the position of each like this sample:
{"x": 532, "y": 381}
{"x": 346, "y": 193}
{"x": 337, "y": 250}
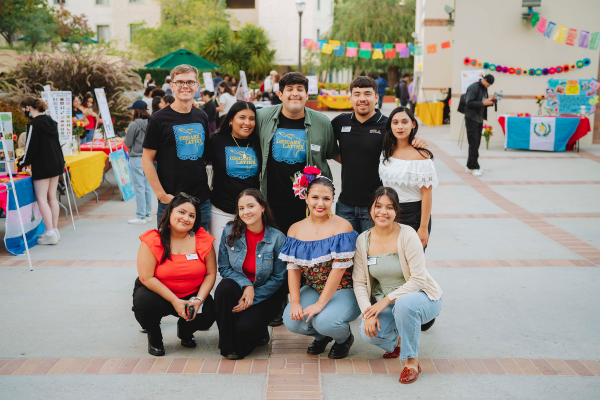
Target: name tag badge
{"x": 315, "y": 147}
{"x": 191, "y": 256}
{"x": 371, "y": 261}
{"x": 346, "y": 128}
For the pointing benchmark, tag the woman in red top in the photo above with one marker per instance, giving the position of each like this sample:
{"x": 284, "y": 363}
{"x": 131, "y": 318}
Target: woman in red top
{"x": 177, "y": 267}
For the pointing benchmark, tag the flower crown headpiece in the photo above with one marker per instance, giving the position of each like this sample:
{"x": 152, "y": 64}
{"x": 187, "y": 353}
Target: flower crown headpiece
{"x": 303, "y": 179}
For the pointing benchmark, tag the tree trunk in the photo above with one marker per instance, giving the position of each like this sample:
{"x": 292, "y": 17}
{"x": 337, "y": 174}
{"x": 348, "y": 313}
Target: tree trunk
{"x": 357, "y": 71}
{"x": 393, "y": 76}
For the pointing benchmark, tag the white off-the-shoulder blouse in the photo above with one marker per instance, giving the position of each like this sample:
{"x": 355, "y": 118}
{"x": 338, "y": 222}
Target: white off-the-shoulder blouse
{"x": 407, "y": 177}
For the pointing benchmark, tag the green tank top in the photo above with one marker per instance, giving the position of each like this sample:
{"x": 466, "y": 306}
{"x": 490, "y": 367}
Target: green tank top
{"x": 387, "y": 272}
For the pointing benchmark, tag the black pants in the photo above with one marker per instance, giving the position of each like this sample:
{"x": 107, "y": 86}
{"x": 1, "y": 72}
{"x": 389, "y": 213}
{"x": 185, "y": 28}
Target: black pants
{"x": 150, "y": 307}
{"x": 240, "y": 332}
{"x": 474, "y": 129}
{"x": 410, "y": 214}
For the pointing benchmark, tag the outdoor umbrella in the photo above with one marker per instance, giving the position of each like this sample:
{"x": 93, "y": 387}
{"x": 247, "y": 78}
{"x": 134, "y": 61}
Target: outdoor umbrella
{"x": 181, "y": 56}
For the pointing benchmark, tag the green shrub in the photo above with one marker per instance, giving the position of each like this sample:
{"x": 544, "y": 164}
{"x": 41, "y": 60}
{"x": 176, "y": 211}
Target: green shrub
{"x": 158, "y": 74}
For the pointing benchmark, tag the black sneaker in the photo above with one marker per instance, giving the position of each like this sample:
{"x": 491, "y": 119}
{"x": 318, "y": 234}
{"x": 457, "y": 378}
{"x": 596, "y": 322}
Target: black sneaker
{"x": 427, "y": 325}
{"x": 265, "y": 340}
{"x": 341, "y": 350}
{"x": 318, "y": 346}
{"x": 279, "y": 318}
{"x": 156, "y": 351}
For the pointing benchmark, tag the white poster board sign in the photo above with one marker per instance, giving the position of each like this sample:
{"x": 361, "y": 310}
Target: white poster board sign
{"x": 244, "y": 85}
{"x": 208, "y": 82}
{"x": 105, "y": 113}
{"x": 7, "y": 129}
{"x": 467, "y": 78}
{"x": 313, "y": 84}
{"x": 62, "y": 113}
{"x": 49, "y": 102}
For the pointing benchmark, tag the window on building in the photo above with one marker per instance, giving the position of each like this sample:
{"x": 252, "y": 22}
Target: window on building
{"x": 102, "y": 33}
{"x": 60, "y": 1}
{"x": 241, "y": 4}
{"x": 319, "y": 5}
{"x": 102, "y": 2}
{"x": 133, "y": 28}
{"x": 318, "y": 34}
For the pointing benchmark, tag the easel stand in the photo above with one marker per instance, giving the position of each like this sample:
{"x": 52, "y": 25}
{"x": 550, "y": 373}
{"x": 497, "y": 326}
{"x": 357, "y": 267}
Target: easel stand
{"x": 461, "y": 136}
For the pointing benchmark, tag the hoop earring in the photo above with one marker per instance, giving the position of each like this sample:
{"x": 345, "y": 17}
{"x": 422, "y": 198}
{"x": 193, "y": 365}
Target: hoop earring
{"x": 330, "y": 214}
{"x": 307, "y": 212}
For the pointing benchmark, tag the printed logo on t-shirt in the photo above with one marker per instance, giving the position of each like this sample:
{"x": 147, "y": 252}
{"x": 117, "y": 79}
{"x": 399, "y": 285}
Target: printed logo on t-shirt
{"x": 190, "y": 141}
{"x": 241, "y": 163}
{"x": 289, "y": 146}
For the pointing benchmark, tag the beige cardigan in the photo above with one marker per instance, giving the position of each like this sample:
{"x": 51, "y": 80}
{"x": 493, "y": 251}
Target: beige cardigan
{"x": 412, "y": 260}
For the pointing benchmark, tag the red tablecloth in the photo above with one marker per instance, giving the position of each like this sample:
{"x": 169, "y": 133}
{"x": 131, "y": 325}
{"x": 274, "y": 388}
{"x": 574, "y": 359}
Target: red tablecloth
{"x": 98, "y": 145}
{"x": 582, "y": 129}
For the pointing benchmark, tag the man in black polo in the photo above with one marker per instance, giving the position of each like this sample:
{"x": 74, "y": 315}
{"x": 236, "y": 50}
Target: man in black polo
{"x": 360, "y": 138}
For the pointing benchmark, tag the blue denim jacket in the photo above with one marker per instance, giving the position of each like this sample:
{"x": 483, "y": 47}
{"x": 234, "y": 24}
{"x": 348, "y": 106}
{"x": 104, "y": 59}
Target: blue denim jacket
{"x": 270, "y": 270}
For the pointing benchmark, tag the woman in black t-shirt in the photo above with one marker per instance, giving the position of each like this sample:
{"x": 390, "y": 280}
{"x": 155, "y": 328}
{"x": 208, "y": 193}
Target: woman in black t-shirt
{"x": 236, "y": 161}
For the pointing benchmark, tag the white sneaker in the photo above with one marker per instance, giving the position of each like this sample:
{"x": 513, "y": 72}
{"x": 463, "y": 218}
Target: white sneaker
{"x": 477, "y": 172}
{"x": 57, "y": 234}
{"x": 148, "y": 218}
{"x": 137, "y": 221}
{"x": 48, "y": 239}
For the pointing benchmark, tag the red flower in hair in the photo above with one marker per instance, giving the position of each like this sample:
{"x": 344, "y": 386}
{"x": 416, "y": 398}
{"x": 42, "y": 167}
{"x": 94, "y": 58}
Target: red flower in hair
{"x": 303, "y": 181}
{"x": 311, "y": 170}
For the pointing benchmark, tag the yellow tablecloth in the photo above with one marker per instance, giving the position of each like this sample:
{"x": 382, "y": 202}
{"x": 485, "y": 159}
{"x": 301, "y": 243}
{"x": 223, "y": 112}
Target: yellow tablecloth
{"x": 431, "y": 113}
{"x": 86, "y": 171}
{"x": 337, "y": 102}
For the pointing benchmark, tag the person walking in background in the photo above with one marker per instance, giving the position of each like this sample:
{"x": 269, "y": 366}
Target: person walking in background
{"x": 92, "y": 117}
{"x": 210, "y": 108}
{"x": 250, "y": 294}
{"x": 156, "y": 104}
{"x": 477, "y": 102}
{"x": 227, "y": 79}
{"x": 275, "y": 92}
{"x": 167, "y": 85}
{"x": 401, "y": 90}
{"x": 44, "y": 155}
{"x": 134, "y": 140}
{"x": 381, "y": 86}
{"x": 409, "y": 170}
{"x": 397, "y": 297}
{"x": 268, "y": 83}
{"x": 148, "y": 99}
{"x": 226, "y": 100}
{"x": 166, "y": 100}
{"x": 176, "y": 138}
{"x": 412, "y": 95}
{"x": 217, "y": 79}
{"x": 147, "y": 79}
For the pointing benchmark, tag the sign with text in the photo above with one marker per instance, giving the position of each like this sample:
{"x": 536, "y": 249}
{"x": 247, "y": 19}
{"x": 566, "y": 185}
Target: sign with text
{"x": 467, "y": 78}
{"x": 244, "y": 85}
{"x": 313, "y": 84}
{"x": 569, "y": 95}
{"x": 6, "y": 130}
{"x": 105, "y": 113}
{"x": 120, "y": 165}
{"x": 62, "y": 112}
{"x": 208, "y": 82}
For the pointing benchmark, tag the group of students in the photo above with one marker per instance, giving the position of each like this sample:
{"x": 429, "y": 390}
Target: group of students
{"x": 368, "y": 259}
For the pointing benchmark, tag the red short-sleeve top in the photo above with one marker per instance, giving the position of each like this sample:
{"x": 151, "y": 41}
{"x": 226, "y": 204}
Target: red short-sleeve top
{"x": 182, "y": 276}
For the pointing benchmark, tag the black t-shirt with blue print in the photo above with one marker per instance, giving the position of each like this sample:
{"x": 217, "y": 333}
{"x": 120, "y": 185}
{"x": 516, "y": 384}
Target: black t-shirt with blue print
{"x": 234, "y": 169}
{"x": 180, "y": 143}
{"x": 287, "y": 155}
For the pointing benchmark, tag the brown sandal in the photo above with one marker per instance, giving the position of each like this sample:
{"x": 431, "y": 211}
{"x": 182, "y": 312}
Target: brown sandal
{"x": 409, "y": 375}
{"x": 393, "y": 354}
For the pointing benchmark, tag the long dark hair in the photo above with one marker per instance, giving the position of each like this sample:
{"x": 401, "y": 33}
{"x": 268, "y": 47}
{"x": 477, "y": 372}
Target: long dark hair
{"x": 389, "y": 192}
{"x": 155, "y": 103}
{"x": 226, "y": 129}
{"x": 87, "y": 96}
{"x": 239, "y": 226}
{"x": 165, "y": 222}
{"x": 226, "y": 87}
{"x": 389, "y": 140}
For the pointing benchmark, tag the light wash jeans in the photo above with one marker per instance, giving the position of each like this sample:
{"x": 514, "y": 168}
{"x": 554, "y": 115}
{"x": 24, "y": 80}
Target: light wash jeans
{"x": 333, "y": 321}
{"x": 142, "y": 188}
{"x": 404, "y": 318}
{"x": 204, "y": 209}
{"x": 357, "y": 216}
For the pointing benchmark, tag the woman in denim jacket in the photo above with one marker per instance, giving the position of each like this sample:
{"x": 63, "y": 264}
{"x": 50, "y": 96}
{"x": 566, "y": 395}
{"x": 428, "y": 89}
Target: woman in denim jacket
{"x": 251, "y": 293}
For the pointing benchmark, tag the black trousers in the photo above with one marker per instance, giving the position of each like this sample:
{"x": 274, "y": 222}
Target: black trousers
{"x": 410, "y": 214}
{"x": 150, "y": 307}
{"x": 474, "y": 129}
{"x": 240, "y": 332}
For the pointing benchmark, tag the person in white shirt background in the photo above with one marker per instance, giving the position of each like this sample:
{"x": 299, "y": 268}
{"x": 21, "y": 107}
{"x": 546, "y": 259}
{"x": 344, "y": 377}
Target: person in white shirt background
{"x": 226, "y": 100}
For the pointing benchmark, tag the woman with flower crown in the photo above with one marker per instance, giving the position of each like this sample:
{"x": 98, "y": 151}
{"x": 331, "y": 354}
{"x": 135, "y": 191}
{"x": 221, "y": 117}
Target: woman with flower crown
{"x": 320, "y": 248}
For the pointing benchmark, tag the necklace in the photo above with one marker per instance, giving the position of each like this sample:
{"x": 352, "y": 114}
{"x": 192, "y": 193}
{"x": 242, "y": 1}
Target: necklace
{"x": 239, "y": 145}
{"x": 317, "y": 231}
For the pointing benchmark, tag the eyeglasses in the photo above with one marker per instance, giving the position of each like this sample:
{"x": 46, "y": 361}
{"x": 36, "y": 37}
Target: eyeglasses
{"x": 187, "y": 196}
{"x": 184, "y": 83}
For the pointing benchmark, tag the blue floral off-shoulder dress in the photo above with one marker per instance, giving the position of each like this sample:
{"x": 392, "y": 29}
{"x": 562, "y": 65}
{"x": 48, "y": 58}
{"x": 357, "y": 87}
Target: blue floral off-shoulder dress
{"x": 316, "y": 258}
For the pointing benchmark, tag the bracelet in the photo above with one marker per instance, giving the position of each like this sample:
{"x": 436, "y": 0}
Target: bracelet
{"x": 318, "y": 305}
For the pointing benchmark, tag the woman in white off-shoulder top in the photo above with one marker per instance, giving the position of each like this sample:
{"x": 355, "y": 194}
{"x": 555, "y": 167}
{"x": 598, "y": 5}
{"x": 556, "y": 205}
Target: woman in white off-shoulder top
{"x": 409, "y": 170}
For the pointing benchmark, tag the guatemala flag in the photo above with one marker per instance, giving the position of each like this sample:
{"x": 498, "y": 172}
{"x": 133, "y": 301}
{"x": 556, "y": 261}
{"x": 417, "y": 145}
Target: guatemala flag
{"x": 539, "y": 133}
{"x": 30, "y": 214}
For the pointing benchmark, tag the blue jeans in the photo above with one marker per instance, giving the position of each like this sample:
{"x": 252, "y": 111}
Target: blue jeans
{"x": 333, "y": 321}
{"x": 404, "y": 318}
{"x": 357, "y": 216}
{"x": 142, "y": 188}
{"x": 204, "y": 213}
{"x": 380, "y": 101}
{"x": 88, "y": 137}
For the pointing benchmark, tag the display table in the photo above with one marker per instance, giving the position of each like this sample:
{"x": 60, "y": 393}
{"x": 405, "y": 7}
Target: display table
{"x": 431, "y": 114}
{"x": 528, "y": 133}
{"x": 98, "y": 145}
{"x": 5, "y": 183}
{"x": 336, "y": 102}
{"x": 86, "y": 171}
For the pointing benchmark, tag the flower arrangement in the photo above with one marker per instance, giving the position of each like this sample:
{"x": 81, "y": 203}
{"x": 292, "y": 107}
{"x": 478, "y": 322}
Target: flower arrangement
{"x": 79, "y": 128}
{"x": 486, "y": 133}
{"x": 301, "y": 180}
{"x": 539, "y": 99}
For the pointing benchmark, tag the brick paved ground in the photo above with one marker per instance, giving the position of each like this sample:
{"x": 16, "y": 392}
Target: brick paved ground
{"x": 516, "y": 252}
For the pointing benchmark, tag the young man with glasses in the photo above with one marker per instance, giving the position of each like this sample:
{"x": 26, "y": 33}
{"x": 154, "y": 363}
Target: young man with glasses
{"x": 176, "y": 137}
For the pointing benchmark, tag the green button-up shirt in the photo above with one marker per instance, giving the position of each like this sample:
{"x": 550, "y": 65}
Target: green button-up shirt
{"x": 320, "y": 140}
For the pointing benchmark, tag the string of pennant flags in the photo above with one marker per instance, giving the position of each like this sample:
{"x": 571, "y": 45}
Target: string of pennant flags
{"x": 563, "y": 34}
{"x": 368, "y": 50}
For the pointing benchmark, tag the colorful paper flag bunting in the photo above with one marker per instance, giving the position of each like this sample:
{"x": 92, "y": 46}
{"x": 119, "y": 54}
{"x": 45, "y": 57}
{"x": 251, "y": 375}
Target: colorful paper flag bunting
{"x": 571, "y": 37}
{"x": 351, "y": 51}
{"x": 550, "y": 29}
{"x": 541, "y": 26}
{"x": 352, "y": 44}
{"x": 400, "y": 46}
{"x": 418, "y": 50}
{"x": 390, "y": 53}
{"x": 338, "y": 51}
{"x": 307, "y": 42}
{"x": 377, "y": 54}
{"x": 445, "y": 45}
{"x": 535, "y": 17}
{"x": 321, "y": 43}
{"x": 388, "y": 46}
{"x": 365, "y": 45}
{"x": 584, "y": 39}
{"x": 335, "y": 43}
{"x": 594, "y": 41}
{"x": 378, "y": 46}
{"x": 561, "y": 34}
{"x": 315, "y": 45}
{"x": 327, "y": 48}
{"x": 364, "y": 53}
{"x": 404, "y": 52}
{"x": 431, "y": 48}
